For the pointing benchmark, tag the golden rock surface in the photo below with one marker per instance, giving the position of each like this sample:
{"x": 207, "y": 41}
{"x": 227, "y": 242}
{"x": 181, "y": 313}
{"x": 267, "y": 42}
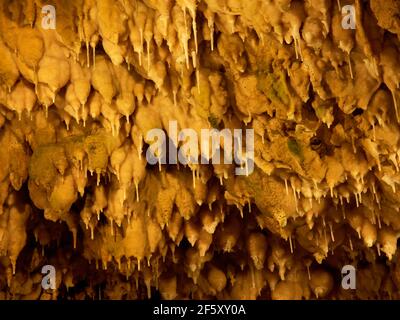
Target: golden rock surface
{"x": 76, "y": 192}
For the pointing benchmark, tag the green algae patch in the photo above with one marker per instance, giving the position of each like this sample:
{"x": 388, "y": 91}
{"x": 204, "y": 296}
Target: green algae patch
{"x": 295, "y": 149}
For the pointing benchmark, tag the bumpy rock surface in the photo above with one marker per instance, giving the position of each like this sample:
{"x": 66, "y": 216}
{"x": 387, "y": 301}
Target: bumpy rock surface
{"x": 77, "y": 193}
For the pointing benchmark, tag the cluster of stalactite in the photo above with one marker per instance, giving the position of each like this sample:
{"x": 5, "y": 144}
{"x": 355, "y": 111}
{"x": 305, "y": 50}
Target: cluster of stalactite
{"x": 77, "y": 193}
